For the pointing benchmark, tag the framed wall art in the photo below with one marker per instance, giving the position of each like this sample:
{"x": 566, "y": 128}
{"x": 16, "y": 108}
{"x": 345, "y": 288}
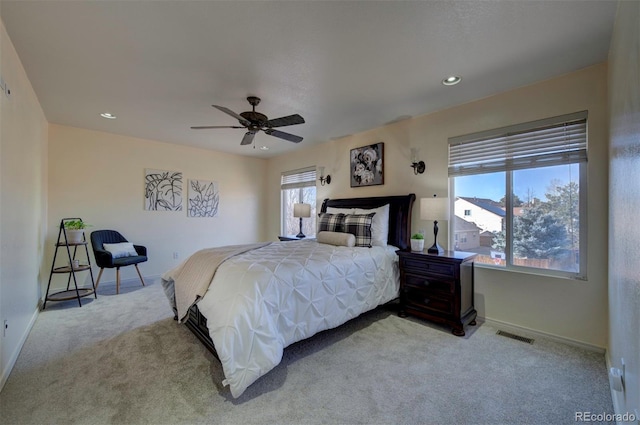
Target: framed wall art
{"x": 367, "y": 165}
{"x": 162, "y": 190}
{"x": 203, "y": 198}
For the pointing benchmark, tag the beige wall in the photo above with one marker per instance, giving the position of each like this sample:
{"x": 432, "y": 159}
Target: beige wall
{"x": 573, "y": 310}
{"x": 624, "y": 187}
{"x": 23, "y": 190}
{"x": 100, "y": 177}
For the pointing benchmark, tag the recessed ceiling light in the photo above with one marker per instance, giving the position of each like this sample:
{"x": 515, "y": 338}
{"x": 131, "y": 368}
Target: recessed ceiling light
{"x": 452, "y": 80}
{"x": 108, "y": 116}
{"x": 264, "y": 148}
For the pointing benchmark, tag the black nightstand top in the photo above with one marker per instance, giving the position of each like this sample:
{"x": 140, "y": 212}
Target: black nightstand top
{"x": 454, "y": 255}
{"x": 293, "y": 238}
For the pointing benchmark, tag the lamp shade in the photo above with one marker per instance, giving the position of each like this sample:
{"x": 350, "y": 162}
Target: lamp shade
{"x": 301, "y": 210}
{"x": 435, "y": 209}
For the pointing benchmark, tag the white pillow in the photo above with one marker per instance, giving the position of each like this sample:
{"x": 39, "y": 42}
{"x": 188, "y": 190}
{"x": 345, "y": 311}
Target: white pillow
{"x": 119, "y": 250}
{"x": 379, "y": 225}
{"x": 336, "y": 238}
{"x": 332, "y": 210}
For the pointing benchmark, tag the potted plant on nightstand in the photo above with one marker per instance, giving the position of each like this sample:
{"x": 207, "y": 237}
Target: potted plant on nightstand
{"x": 417, "y": 242}
{"x": 74, "y": 230}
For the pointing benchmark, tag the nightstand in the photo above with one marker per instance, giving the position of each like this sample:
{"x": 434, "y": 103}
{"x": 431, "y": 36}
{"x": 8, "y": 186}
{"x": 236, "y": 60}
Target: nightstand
{"x": 438, "y": 287}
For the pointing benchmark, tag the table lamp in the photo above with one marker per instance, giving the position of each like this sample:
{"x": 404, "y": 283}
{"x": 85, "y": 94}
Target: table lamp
{"x": 301, "y": 210}
{"x": 436, "y": 209}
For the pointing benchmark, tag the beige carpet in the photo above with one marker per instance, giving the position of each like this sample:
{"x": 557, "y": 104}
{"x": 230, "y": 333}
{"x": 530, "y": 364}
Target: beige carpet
{"x": 123, "y": 360}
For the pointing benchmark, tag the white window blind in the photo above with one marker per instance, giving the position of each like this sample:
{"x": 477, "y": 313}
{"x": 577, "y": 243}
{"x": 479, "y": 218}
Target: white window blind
{"x": 552, "y": 141}
{"x": 304, "y": 177}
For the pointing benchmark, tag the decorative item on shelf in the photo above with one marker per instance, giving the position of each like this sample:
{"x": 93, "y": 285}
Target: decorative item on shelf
{"x": 436, "y": 209}
{"x": 322, "y": 177}
{"x": 301, "y": 210}
{"x": 417, "y": 242}
{"x": 418, "y": 166}
{"x": 74, "y": 231}
{"x": 75, "y": 264}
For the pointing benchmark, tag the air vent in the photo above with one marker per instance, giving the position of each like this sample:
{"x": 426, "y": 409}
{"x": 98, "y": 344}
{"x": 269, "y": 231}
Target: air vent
{"x": 516, "y": 337}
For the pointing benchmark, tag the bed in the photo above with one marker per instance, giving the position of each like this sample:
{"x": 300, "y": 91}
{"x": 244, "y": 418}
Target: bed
{"x": 265, "y": 297}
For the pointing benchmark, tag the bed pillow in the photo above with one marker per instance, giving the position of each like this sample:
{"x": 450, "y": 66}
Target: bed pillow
{"x": 333, "y": 210}
{"x": 336, "y": 238}
{"x": 379, "y": 225}
{"x": 360, "y": 226}
{"x": 331, "y": 222}
{"x": 119, "y": 250}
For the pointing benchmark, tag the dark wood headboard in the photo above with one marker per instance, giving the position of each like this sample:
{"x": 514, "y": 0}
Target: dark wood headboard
{"x": 399, "y": 214}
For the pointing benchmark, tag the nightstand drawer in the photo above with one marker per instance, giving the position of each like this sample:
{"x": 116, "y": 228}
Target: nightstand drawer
{"x": 429, "y": 284}
{"x": 420, "y": 266}
{"x": 428, "y": 301}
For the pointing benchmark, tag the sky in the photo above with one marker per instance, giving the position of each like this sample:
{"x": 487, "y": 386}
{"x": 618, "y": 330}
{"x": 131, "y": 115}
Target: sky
{"x": 534, "y": 181}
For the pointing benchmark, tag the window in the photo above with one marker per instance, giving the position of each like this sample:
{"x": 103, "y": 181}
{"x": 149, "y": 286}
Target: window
{"x": 298, "y": 186}
{"x": 526, "y": 185}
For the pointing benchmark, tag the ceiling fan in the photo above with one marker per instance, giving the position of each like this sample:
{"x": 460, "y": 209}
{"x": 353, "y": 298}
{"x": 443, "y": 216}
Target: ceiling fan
{"x": 255, "y": 121}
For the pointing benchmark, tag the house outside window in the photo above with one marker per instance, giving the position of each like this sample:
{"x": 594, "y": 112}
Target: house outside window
{"x": 298, "y": 186}
{"x": 524, "y": 188}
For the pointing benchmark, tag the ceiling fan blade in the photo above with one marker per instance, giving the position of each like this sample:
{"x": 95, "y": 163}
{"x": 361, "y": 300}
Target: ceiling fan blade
{"x": 284, "y": 121}
{"x": 203, "y": 127}
{"x": 248, "y": 138}
{"x": 228, "y": 111}
{"x": 282, "y": 135}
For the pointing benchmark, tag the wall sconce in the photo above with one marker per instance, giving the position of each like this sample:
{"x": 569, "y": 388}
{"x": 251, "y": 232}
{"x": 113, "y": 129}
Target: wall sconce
{"x": 418, "y": 166}
{"x": 322, "y": 178}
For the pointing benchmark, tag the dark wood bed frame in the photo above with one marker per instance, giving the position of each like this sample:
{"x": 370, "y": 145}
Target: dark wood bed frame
{"x": 399, "y": 234}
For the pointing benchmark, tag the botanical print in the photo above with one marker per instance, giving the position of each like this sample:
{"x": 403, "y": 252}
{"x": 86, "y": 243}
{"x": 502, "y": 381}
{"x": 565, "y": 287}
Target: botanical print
{"x": 162, "y": 190}
{"x": 366, "y": 165}
{"x": 203, "y": 198}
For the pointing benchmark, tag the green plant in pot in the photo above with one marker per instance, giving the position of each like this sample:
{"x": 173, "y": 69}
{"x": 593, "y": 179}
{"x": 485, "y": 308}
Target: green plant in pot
{"x": 417, "y": 242}
{"x": 74, "y": 230}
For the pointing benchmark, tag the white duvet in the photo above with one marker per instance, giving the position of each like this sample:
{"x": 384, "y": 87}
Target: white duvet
{"x": 261, "y": 301}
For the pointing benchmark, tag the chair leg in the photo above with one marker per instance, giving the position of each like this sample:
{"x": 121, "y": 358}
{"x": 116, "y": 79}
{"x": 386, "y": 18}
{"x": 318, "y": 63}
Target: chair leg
{"x": 117, "y": 280}
{"x": 99, "y": 276}
{"x": 139, "y": 274}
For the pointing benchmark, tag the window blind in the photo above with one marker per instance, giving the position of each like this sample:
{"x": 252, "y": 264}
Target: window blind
{"x": 304, "y": 177}
{"x": 552, "y": 141}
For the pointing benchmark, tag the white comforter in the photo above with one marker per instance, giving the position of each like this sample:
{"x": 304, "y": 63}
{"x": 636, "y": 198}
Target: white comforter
{"x": 261, "y": 301}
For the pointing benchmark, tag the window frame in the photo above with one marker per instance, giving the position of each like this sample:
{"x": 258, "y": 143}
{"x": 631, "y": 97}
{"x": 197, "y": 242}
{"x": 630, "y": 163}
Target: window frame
{"x": 296, "y": 179}
{"x": 582, "y": 163}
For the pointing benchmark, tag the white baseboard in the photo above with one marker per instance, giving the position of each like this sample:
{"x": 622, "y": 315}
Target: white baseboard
{"x": 14, "y": 356}
{"x": 509, "y": 327}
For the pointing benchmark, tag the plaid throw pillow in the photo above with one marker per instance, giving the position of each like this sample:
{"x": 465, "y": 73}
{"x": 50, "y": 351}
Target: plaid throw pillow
{"x": 331, "y": 222}
{"x": 360, "y": 226}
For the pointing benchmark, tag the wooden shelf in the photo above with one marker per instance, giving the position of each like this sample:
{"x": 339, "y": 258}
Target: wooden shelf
{"x": 67, "y": 269}
{"x": 71, "y": 243}
{"x": 70, "y": 294}
{"x": 69, "y": 257}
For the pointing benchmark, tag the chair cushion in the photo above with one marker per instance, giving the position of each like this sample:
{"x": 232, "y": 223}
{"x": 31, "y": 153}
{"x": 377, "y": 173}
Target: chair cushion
{"x": 127, "y": 261}
{"x": 122, "y": 249}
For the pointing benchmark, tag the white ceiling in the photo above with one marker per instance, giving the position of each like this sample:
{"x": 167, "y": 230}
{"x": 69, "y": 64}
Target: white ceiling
{"x": 345, "y": 66}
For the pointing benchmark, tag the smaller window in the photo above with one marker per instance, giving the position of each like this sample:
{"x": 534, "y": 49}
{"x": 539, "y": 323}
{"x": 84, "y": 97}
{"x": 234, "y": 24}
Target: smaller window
{"x": 298, "y": 186}
{"x": 467, "y": 213}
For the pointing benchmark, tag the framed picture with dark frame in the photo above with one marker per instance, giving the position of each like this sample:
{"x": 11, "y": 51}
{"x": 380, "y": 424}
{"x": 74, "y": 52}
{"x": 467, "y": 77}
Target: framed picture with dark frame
{"x": 367, "y": 165}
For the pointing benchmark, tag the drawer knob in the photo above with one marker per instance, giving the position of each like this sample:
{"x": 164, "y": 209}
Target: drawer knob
{"x": 426, "y": 301}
